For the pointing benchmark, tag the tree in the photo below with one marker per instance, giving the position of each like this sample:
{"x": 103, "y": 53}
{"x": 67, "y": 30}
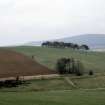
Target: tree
{"x": 91, "y": 72}
{"x": 76, "y": 46}
{"x": 86, "y": 47}
{"x": 61, "y": 65}
{"x": 58, "y": 44}
{"x": 79, "y": 69}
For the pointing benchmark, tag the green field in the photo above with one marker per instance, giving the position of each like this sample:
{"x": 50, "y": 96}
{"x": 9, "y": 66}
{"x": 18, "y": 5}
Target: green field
{"x": 78, "y": 97}
{"x": 41, "y": 85}
{"x": 48, "y": 56}
{"x": 85, "y": 82}
{"x": 57, "y": 91}
{"x": 87, "y": 90}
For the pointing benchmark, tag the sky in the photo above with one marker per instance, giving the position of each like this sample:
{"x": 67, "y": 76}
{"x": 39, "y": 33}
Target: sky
{"x": 22, "y": 21}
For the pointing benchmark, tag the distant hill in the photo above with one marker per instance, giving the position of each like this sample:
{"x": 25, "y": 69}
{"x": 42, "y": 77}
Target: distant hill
{"x": 36, "y": 43}
{"x": 94, "y": 41}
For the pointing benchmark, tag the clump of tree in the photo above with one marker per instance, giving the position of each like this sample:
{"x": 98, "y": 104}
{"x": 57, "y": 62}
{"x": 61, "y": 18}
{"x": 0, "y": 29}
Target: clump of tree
{"x": 56, "y": 44}
{"x": 70, "y": 66}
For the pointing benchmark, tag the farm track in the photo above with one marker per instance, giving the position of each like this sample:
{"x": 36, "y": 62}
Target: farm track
{"x": 50, "y": 76}
{"x": 70, "y": 82}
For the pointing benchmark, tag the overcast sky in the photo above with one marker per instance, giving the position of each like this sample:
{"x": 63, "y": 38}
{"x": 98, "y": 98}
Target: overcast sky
{"x": 30, "y": 20}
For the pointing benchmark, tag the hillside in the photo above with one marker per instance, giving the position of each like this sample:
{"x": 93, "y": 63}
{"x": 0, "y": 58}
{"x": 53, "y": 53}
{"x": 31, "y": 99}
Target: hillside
{"x": 48, "y": 56}
{"x": 94, "y": 41}
{"x": 88, "y": 90}
{"x": 15, "y": 64}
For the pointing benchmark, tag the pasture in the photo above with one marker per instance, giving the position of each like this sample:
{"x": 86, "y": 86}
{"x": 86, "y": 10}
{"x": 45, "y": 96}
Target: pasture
{"x": 48, "y": 56}
{"x": 77, "y": 97}
{"x": 63, "y": 90}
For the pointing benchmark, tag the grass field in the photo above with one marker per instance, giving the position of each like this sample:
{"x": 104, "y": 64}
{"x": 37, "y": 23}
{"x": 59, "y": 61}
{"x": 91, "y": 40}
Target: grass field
{"x": 56, "y": 92}
{"x": 78, "y": 97}
{"x": 88, "y": 90}
{"x": 85, "y": 82}
{"x": 47, "y": 56}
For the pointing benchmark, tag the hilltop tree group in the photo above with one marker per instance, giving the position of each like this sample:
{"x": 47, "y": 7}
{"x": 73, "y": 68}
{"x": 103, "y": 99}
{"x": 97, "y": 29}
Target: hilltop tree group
{"x": 56, "y": 44}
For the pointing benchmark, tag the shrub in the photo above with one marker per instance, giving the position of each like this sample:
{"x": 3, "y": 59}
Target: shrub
{"x": 79, "y": 69}
{"x": 91, "y": 72}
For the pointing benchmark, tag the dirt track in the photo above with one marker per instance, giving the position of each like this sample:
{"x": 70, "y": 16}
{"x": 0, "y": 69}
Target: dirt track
{"x": 50, "y": 76}
{"x": 14, "y": 64}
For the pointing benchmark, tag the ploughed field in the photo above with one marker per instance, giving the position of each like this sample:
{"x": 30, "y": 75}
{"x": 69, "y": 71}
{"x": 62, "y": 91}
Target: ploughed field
{"x": 14, "y": 64}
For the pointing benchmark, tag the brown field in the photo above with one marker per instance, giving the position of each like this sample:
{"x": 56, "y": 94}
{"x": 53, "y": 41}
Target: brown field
{"x": 14, "y": 64}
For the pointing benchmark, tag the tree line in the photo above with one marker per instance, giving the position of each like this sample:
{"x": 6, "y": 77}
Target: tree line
{"x": 70, "y": 66}
{"x": 65, "y": 45}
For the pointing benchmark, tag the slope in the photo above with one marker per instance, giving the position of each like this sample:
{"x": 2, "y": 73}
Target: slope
{"x": 48, "y": 56}
{"x": 15, "y": 64}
